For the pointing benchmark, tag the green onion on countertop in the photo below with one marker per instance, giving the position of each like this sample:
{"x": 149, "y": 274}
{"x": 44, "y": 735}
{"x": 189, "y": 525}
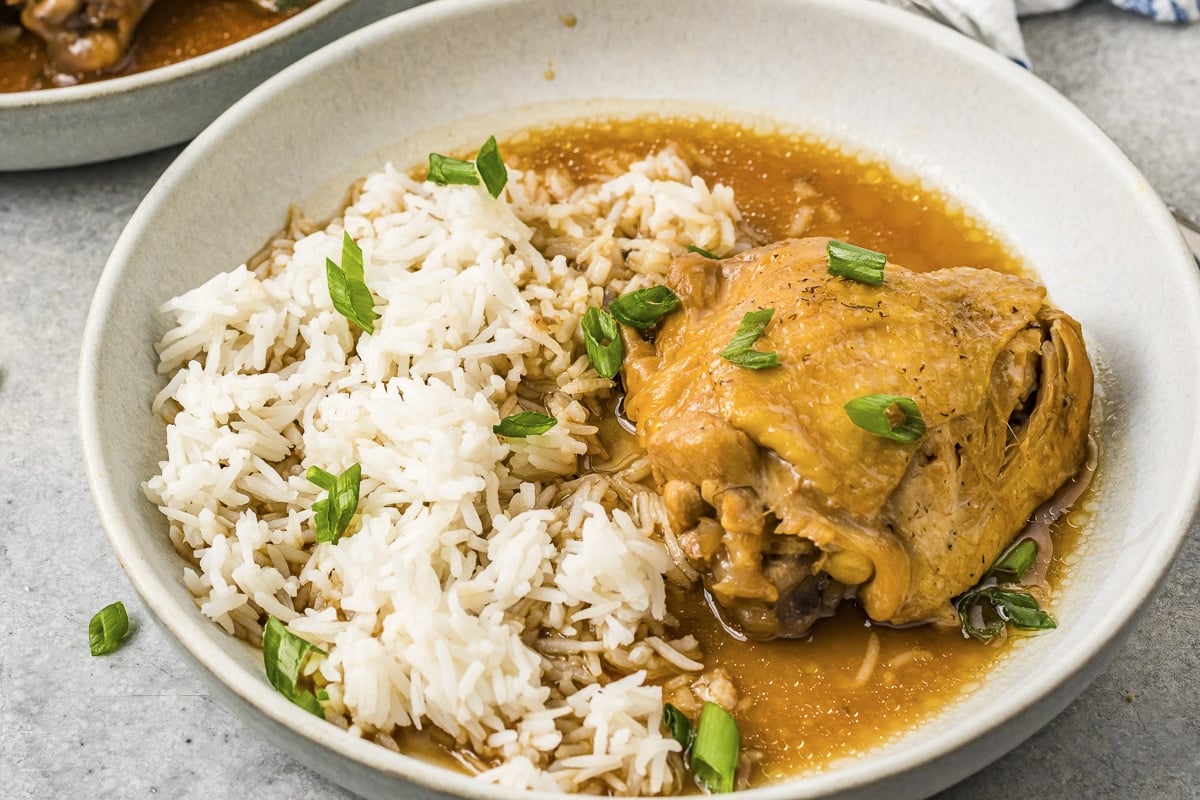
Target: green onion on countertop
{"x": 284, "y": 656}
{"x": 347, "y": 289}
{"x": 741, "y": 350}
{"x": 887, "y": 415}
{"x": 602, "y": 339}
{"x": 109, "y": 626}
{"x": 332, "y": 515}
{"x": 645, "y": 307}
{"x": 854, "y": 262}
{"x": 525, "y": 423}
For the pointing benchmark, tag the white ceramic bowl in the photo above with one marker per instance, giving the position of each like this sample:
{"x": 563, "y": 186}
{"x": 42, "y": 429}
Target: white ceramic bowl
{"x": 876, "y": 80}
{"x": 135, "y": 113}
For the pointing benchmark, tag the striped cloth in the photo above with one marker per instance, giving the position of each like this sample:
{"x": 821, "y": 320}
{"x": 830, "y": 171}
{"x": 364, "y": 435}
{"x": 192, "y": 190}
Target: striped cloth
{"x": 994, "y": 22}
{"x": 1161, "y": 10}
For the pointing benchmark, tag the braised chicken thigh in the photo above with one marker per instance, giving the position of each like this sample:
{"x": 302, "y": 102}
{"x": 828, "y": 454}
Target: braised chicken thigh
{"x": 784, "y": 504}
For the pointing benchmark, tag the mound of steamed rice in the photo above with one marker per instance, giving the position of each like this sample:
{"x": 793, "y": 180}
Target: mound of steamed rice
{"x": 506, "y": 594}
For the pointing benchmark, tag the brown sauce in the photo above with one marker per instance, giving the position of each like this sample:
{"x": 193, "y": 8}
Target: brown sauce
{"x": 805, "y": 709}
{"x": 771, "y": 174}
{"x": 171, "y": 31}
{"x": 803, "y": 706}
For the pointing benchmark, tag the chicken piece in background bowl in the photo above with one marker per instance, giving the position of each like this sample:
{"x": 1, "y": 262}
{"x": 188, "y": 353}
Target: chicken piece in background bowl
{"x": 83, "y": 36}
{"x": 158, "y": 83}
{"x": 76, "y": 41}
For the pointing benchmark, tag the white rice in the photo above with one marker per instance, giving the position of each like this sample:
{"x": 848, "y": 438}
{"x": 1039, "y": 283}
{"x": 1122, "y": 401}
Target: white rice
{"x": 482, "y": 591}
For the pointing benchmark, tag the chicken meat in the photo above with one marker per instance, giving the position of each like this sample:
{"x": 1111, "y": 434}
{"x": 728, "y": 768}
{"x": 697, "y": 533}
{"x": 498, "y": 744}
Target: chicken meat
{"x": 83, "y": 36}
{"x": 782, "y": 502}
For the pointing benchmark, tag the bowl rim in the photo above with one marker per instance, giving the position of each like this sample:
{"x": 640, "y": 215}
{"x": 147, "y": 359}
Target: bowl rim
{"x": 175, "y": 71}
{"x": 1056, "y": 680}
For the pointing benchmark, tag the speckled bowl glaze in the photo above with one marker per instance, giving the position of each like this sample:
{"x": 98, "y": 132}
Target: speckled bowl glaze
{"x": 135, "y": 113}
{"x": 871, "y": 79}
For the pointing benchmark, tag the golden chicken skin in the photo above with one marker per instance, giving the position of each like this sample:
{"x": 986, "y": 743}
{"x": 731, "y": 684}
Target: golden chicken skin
{"x": 783, "y": 502}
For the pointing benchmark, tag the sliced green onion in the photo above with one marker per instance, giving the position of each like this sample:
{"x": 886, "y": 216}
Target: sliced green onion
{"x": 643, "y": 309}
{"x": 700, "y": 251}
{"x": 320, "y": 477}
{"x": 288, "y": 5}
{"x": 108, "y": 627}
{"x": 284, "y": 657}
{"x": 753, "y": 359}
{"x": 602, "y": 339}
{"x": 856, "y": 263}
{"x": 349, "y": 293}
{"x": 1018, "y": 558}
{"x": 444, "y": 170}
{"x": 1022, "y": 610}
{"x": 715, "y": 749}
{"x": 352, "y": 258}
{"x": 491, "y": 167}
{"x": 678, "y": 724}
{"x": 753, "y": 324}
{"x": 887, "y": 415}
{"x": 999, "y": 606}
{"x": 332, "y": 515}
{"x": 526, "y": 423}
{"x": 740, "y": 350}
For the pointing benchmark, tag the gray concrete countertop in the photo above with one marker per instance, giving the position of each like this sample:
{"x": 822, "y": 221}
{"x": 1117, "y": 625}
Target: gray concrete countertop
{"x": 138, "y": 723}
